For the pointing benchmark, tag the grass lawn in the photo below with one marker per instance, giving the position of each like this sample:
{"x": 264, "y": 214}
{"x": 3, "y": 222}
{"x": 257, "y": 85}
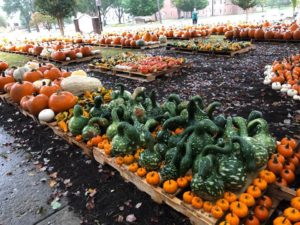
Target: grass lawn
{"x": 14, "y": 59}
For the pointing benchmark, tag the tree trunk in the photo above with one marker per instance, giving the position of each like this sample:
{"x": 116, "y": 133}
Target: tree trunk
{"x": 76, "y": 24}
{"x": 60, "y": 22}
{"x": 246, "y": 10}
{"x": 37, "y": 28}
{"x": 178, "y": 13}
{"x": 155, "y": 16}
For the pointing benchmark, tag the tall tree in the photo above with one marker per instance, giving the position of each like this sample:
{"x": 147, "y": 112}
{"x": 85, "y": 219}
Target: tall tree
{"x": 119, "y": 6}
{"x": 245, "y": 5}
{"x": 58, "y": 9}
{"x": 190, "y": 5}
{"x": 24, "y": 7}
{"x": 3, "y": 22}
{"x": 142, "y": 7}
{"x": 38, "y": 18}
{"x": 294, "y": 5}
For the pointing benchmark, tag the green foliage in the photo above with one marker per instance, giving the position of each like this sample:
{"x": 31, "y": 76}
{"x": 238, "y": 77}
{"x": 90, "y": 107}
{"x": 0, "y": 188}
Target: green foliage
{"x": 190, "y": 5}
{"x": 245, "y": 4}
{"x": 90, "y": 8}
{"x": 22, "y": 6}
{"x": 119, "y": 6}
{"x": 141, "y": 7}
{"x": 294, "y": 4}
{"x": 38, "y": 18}
{"x": 58, "y": 9}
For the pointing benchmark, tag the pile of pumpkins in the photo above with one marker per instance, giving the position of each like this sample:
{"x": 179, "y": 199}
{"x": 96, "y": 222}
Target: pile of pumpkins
{"x": 45, "y": 90}
{"x": 263, "y": 32}
{"x": 284, "y": 76}
{"x": 136, "y": 40}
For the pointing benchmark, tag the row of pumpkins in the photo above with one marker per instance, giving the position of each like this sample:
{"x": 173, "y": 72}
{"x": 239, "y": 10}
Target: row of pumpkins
{"x": 43, "y": 89}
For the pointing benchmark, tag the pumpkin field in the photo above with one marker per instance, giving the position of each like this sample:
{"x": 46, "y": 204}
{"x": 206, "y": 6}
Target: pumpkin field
{"x": 192, "y": 125}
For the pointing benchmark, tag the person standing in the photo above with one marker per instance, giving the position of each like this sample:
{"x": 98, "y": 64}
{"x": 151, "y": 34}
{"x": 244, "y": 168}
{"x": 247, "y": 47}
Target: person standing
{"x": 195, "y": 16}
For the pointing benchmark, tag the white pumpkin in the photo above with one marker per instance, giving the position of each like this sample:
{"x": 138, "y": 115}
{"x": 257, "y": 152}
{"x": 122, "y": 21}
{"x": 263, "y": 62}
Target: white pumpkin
{"x": 267, "y": 80}
{"x": 39, "y": 83}
{"x": 296, "y": 97}
{"x": 19, "y": 72}
{"x": 32, "y": 65}
{"x": 292, "y": 92}
{"x": 80, "y": 84}
{"x": 276, "y": 86}
{"x": 46, "y": 115}
{"x": 79, "y": 55}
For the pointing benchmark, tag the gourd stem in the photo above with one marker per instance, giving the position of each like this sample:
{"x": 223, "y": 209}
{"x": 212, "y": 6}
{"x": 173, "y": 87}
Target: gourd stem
{"x": 211, "y": 108}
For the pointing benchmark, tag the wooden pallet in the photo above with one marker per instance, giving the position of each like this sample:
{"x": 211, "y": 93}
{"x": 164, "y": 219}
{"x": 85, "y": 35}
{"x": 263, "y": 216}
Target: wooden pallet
{"x": 15, "y": 52}
{"x": 63, "y": 63}
{"x": 137, "y": 75}
{"x": 146, "y": 47}
{"x": 224, "y": 53}
{"x": 197, "y": 217}
{"x": 264, "y": 40}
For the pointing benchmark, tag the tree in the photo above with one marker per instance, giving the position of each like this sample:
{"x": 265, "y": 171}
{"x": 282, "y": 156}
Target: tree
{"x": 190, "y": 5}
{"x": 58, "y": 9}
{"x": 294, "y": 5}
{"x": 245, "y": 5}
{"x": 38, "y": 18}
{"x": 119, "y": 6}
{"x": 142, "y": 7}
{"x": 24, "y": 7}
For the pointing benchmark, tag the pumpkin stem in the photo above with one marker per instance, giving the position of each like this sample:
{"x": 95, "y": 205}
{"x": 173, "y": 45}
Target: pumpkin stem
{"x": 3, "y": 74}
{"x": 275, "y": 159}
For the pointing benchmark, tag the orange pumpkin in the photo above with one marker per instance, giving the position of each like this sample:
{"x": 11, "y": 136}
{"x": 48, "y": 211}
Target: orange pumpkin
{"x": 288, "y": 175}
{"x": 32, "y": 76}
{"x": 153, "y": 178}
{"x": 207, "y": 206}
{"x": 182, "y": 182}
{"x": 216, "y": 212}
{"x": 223, "y": 204}
{"x": 260, "y": 183}
{"x": 266, "y": 201}
{"x": 274, "y": 165}
{"x": 133, "y": 167}
{"x": 141, "y": 172}
{"x": 281, "y": 220}
{"x": 261, "y": 213}
{"x": 147, "y": 37}
{"x": 188, "y": 196}
{"x": 170, "y": 186}
{"x": 232, "y": 219}
{"x": 58, "y": 55}
{"x": 295, "y": 202}
{"x": 20, "y": 89}
{"x": 252, "y": 220}
{"x": 247, "y": 199}
{"x": 292, "y": 214}
{"x": 230, "y": 196}
{"x": 3, "y": 66}
{"x": 254, "y": 191}
{"x": 86, "y": 51}
{"x": 62, "y": 101}
{"x": 239, "y": 208}
{"x": 52, "y": 73}
{"x": 259, "y": 34}
{"x": 197, "y": 202}
{"x": 5, "y": 79}
{"x": 35, "y": 104}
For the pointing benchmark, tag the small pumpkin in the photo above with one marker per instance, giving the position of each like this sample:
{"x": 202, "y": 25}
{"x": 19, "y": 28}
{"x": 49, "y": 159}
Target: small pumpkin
{"x": 260, "y": 183}
{"x": 35, "y": 104}
{"x": 141, "y": 172}
{"x": 274, "y": 165}
{"x": 58, "y": 55}
{"x": 46, "y": 115}
{"x": 230, "y": 196}
{"x": 267, "y": 176}
{"x": 254, "y": 191}
{"x": 285, "y": 149}
{"x": 232, "y": 219}
{"x": 128, "y": 159}
{"x": 188, "y": 197}
{"x": 261, "y": 213}
{"x": 86, "y": 50}
{"x": 49, "y": 89}
{"x": 239, "y": 208}
{"x": 5, "y": 79}
{"x": 247, "y": 199}
{"x": 288, "y": 175}
{"x": 252, "y": 220}
{"x": 32, "y": 76}
{"x": 217, "y": 212}
{"x": 197, "y": 202}
{"x": 292, "y": 214}
{"x": 290, "y": 141}
{"x": 295, "y": 202}
{"x": 153, "y": 178}
{"x": 265, "y": 201}
{"x": 182, "y": 182}
{"x": 3, "y": 66}
{"x": 223, "y": 204}
{"x": 207, "y": 206}
{"x": 133, "y": 167}
{"x": 170, "y": 186}
{"x": 281, "y": 220}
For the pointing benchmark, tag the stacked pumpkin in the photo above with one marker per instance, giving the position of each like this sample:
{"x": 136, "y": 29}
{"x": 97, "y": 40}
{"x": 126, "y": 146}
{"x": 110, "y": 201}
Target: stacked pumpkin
{"x": 286, "y": 161}
{"x": 44, "y": 90}
{"x": 130, "y": 40}
{"x": 265, "y": 32}
{"x": 285, "y": 76}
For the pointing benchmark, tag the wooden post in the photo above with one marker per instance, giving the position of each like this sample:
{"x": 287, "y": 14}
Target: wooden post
{"x": 77, "y": 28}
{"x": 96, "y": 25}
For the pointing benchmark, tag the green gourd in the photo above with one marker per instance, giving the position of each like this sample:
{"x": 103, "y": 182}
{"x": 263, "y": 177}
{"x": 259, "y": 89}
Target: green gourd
{"x": 152, "y": 108}
{"x": 93, "y": 128}
{"x": 121, "y": 93}
{"x": 263, "y": 135}
{"x": 99, "y": 110}
{"x": 126, "y": 141}
{"x": 77, "y": 121}
{"x": 112, "y": 129}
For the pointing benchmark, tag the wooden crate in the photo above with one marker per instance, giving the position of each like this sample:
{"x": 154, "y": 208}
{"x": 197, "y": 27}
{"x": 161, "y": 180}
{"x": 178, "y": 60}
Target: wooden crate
{"x": 264, "y": 40}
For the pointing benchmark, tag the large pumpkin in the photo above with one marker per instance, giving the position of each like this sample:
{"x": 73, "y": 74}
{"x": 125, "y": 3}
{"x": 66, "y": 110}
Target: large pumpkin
{"x": 49, "y": 89}
{"x": 186, "y": 35}
{"x": 3, "y": 66}
{"x": 108, "y": 41}
{"x": 37, "y": 50}
{"x": 86, "y": 51}
{"x": 244, "y": 33}
{"x": 296, "y": 35}
{"x": 147, "y": 37}
{"x": 71, "y": 54}
{"x": 294, "y": 27}
{"x": 229, "y": 34}
{"x": 52, "y": 74}
{"x": 136, "y": 37}
{"x": 62, "y": 101}
{"x": 251, "y": 33}
{"x": 20, "y": 89}
{"x": 278, "y": 35}
{"x": 32, "y": 76}
{"x": 259, "y": 34}
{"x": 58, "y": 55}
{"x": 117, "y": 41}
{"x": 269, "y": 35}
{"x": 154, "y": 37}
{"x": 5, "y": 79}
{"x": 236, "y": 33}
{"x": 35, "y": 104}
{"x": 287, "y": 35}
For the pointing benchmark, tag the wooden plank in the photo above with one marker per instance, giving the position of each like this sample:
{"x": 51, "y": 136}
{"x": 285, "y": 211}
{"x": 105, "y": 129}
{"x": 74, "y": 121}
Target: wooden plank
{"x": 63, "y": 63}
{"x": 197, "y": 217}
{"x": 282, "y": 192}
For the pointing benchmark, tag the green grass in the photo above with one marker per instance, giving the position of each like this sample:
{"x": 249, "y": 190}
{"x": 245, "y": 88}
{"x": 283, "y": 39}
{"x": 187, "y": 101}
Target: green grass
{"x": 14, "y": 59}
